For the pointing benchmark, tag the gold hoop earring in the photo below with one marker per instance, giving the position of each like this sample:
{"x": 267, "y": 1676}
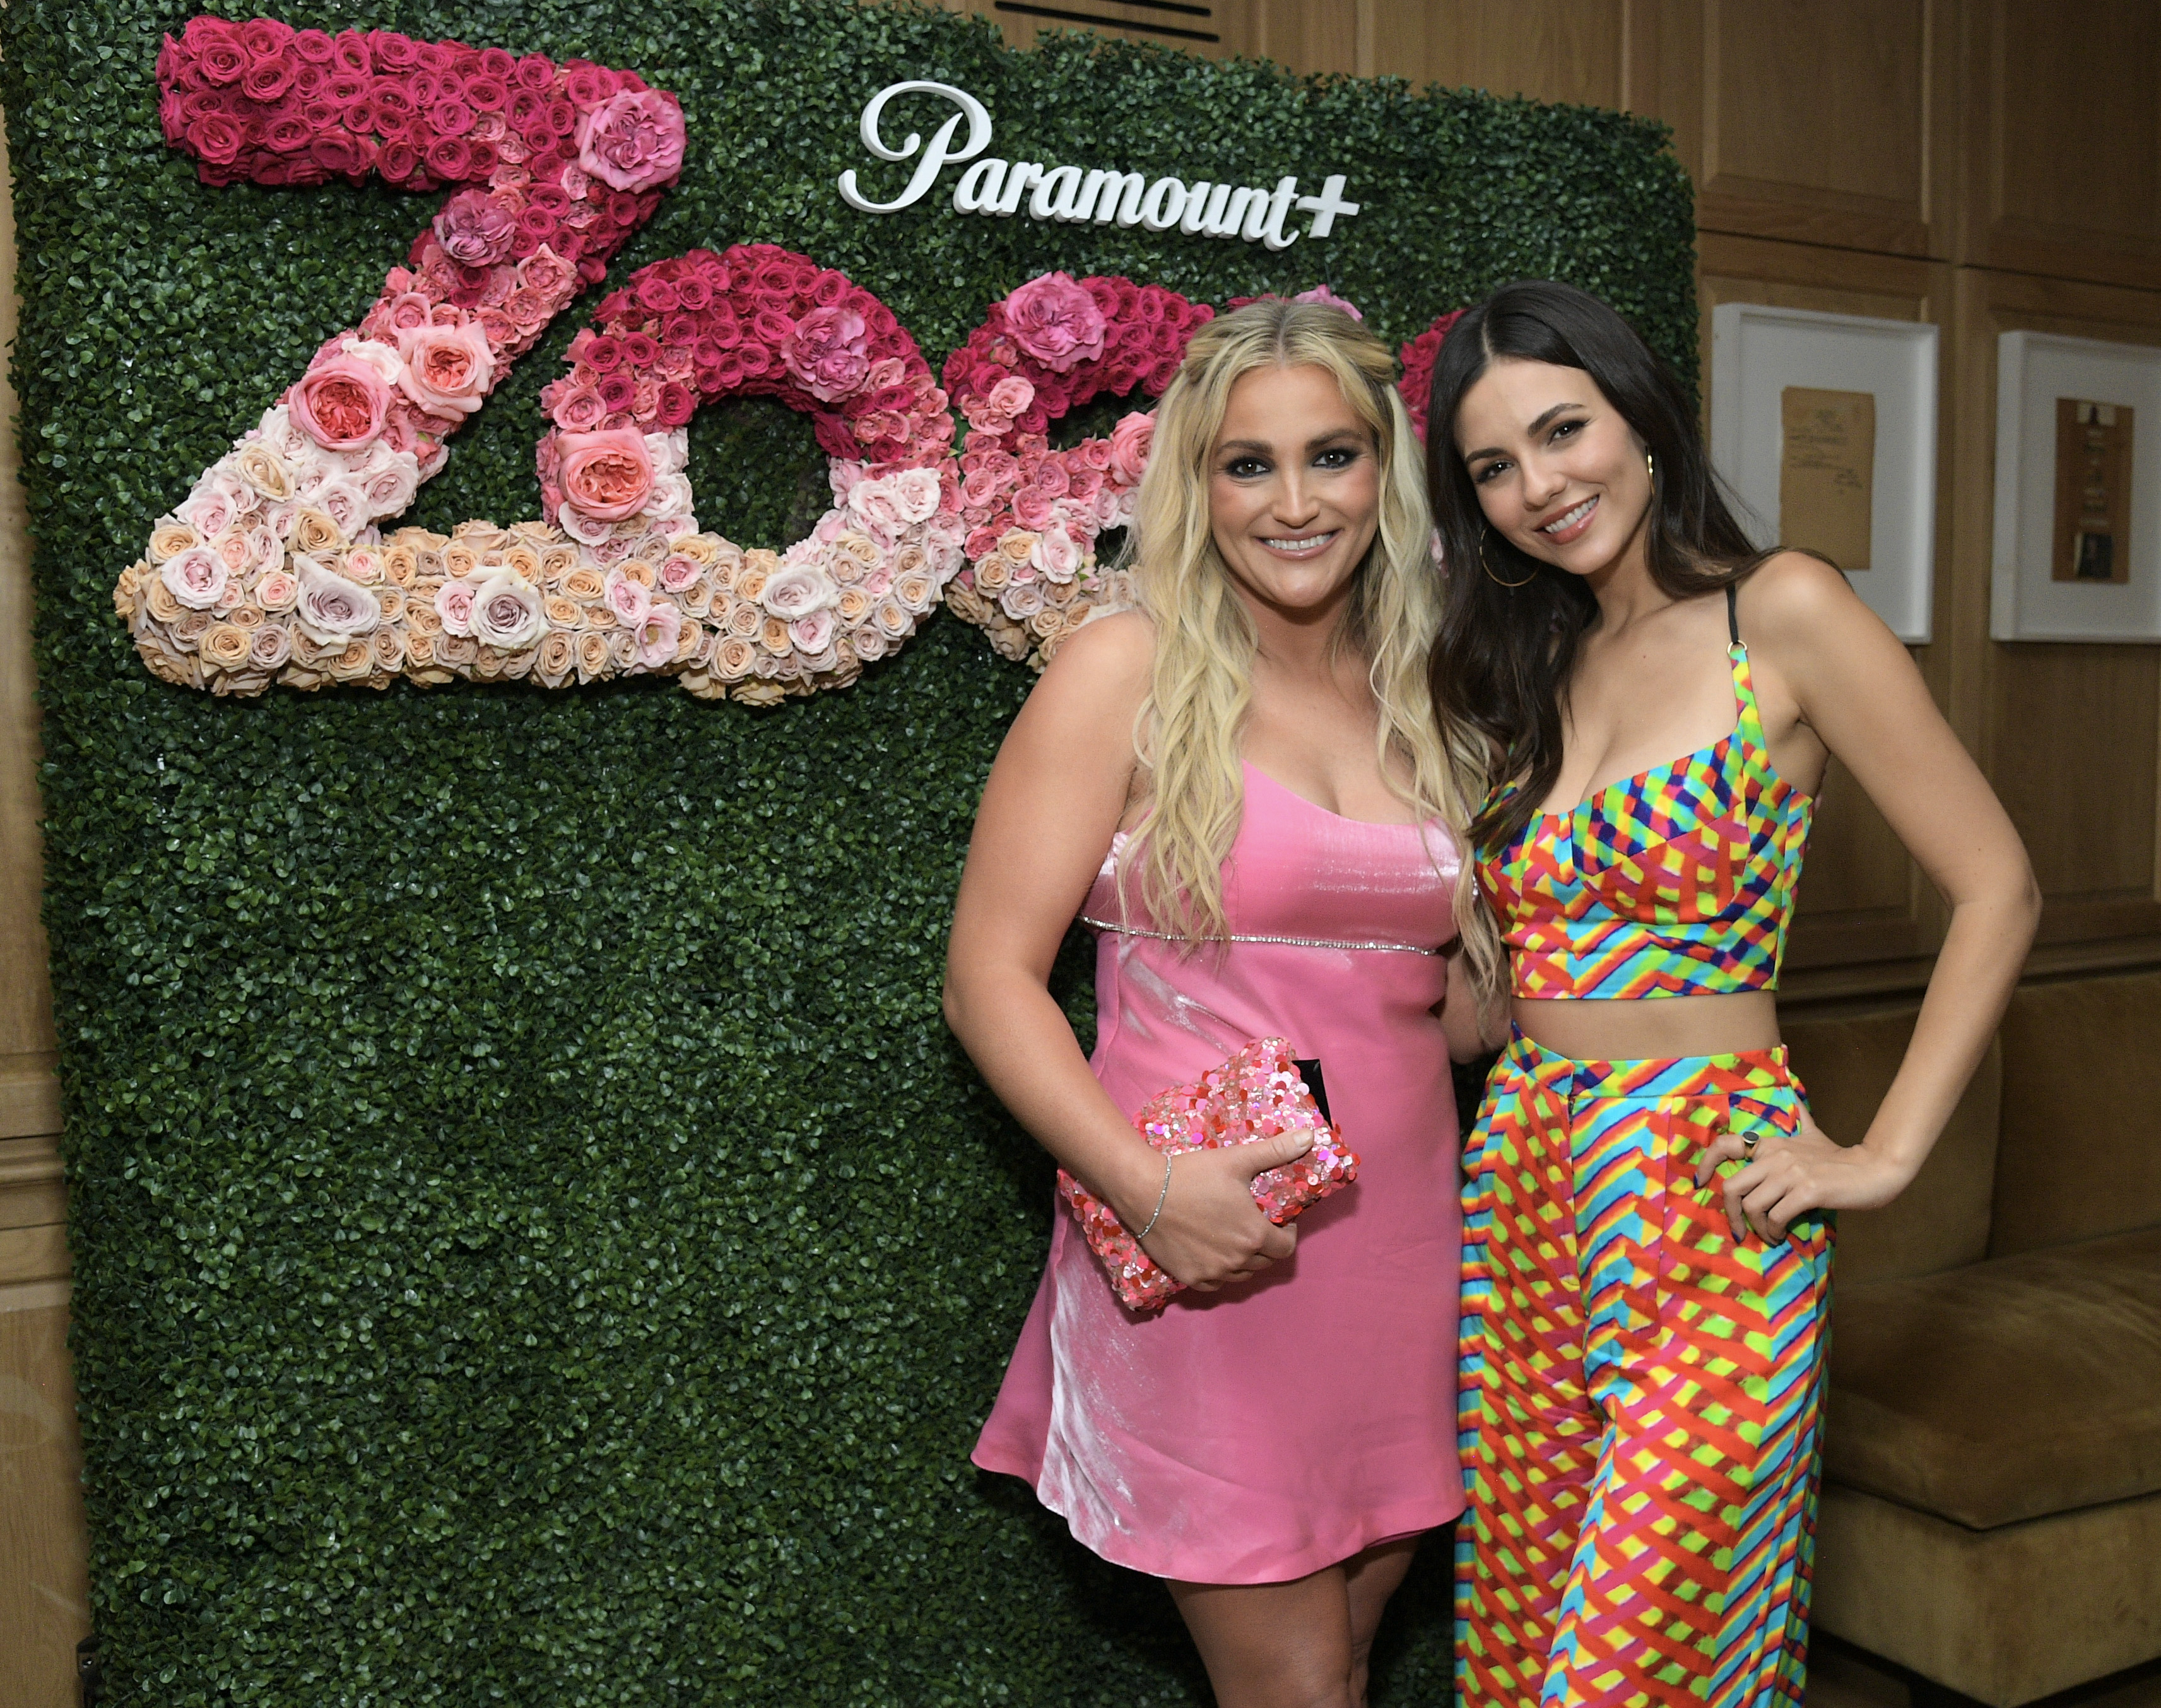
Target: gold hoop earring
{"x": 1650, "y": 469}
{"x": 1486, "y": 564}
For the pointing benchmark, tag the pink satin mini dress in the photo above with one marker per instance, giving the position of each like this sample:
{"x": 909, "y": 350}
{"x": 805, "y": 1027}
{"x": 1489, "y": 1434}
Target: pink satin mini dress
{"x": 1260, "y": 1433}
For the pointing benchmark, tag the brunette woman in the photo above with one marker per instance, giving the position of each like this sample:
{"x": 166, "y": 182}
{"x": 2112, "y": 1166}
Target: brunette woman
{"x": 1241, "y": 789}
{"x": 1647, "y": 1231}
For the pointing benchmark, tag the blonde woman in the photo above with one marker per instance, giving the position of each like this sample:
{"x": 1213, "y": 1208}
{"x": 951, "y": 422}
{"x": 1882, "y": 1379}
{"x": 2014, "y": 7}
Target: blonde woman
{"x": 1241, "y": 788}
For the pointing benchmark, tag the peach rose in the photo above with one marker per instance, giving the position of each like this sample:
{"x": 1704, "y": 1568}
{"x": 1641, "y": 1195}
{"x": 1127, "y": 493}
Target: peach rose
{"x": 606, "y": 475}
{"x": 169, "y": 540}
{"x": 592, "y": 650}
{"x": 225, "y": 646}
{"x": 558, "y": 659}
{"x": 264, "y": 470}
{"x": 448, "y": 369}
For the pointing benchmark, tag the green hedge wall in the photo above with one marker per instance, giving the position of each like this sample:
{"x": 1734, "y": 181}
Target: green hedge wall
{"x": 535, "y": 1241}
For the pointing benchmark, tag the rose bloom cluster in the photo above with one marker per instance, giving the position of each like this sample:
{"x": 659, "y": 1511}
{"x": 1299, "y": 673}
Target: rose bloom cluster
{"x": 573, "y": 156}
{"x": 273, "y": 569}
{"x": 760, "y": 320}
{"x": 1418, "y": 356}
{"x": 1033, "y": 514}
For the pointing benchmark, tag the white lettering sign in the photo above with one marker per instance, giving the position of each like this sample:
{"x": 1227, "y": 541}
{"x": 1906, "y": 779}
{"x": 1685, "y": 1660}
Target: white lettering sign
{"x": 1076, "y": 196}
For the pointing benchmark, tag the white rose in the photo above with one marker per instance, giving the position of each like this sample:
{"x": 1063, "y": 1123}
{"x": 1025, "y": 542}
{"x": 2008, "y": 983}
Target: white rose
{"x": 670, "y": 451}
{"x": 915, "y": 494}
{"x": 196, "y": 576}
{"x": 333, "y": 611}
{"x": 343, "y": 502}
{"x": 384, "y": 358}
{"x": 797, "y": 590}
{"x": 506, "y": 612}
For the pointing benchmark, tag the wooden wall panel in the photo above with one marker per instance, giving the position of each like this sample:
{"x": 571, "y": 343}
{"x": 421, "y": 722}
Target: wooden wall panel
{"x": 2063, "y": 176}
{"x": 1213, "y": 28}
{"x": 1820, "y": 118}
{"x": 1863, "y": 902}
{"x": 1549, "y": 49}
{"x": 29, "y": 1095}
{"x": 44, "y": 1591}
{"x": 2070, "y": 735}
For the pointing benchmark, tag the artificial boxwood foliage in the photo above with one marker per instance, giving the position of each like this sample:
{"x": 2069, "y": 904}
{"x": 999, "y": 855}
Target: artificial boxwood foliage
{"x": 535, "y": 1241}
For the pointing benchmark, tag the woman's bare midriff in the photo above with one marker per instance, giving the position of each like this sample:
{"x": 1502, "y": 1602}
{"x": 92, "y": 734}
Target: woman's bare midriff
{"x": 1595, "y": 1030}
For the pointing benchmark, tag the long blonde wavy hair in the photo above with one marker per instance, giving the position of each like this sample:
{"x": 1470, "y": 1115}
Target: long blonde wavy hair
{"x": 1186, "y": 733}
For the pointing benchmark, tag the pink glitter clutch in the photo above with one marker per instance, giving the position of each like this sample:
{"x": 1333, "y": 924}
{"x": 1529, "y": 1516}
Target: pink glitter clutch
{"x": 1257, "y": 1094}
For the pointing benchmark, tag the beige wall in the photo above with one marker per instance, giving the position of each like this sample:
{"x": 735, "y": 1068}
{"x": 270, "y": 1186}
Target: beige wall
{"x": 1982, "y": 164}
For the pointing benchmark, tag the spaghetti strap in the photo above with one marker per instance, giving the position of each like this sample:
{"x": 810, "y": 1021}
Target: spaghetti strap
{"x": 1733, "y": 614}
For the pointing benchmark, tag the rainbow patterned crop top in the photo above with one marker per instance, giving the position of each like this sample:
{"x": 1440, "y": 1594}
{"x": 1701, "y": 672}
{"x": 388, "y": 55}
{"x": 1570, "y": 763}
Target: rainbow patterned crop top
{"x": 1676, "y": 882}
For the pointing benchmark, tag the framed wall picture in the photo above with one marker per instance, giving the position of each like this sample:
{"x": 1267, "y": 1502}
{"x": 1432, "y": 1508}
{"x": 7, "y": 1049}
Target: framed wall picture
{"x": 1825, "y": 425}
{"x": 2078, "y": 490}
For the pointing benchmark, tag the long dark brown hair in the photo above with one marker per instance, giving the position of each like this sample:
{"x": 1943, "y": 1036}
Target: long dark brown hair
{"x": 1501, "y": 662}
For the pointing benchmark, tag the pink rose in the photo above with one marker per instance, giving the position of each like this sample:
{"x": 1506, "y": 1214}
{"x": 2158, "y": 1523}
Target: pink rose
{"x": 679, "y": 571}
{"x": 474, "y": 228}
{"x": 1321, "y": 293}
{"x": 632, "y": 140}
{"x": 410, "y": 309}
{"x": 548, "y": 273}
{"x": 628, "y": 599}
{"x": 1031, "y": 508}
{"x": 448, "y": 369}
{"x": 197, "y": 577}
{"x": 453, "y": 604}
{"x": 1056, "y": 321}
{"x": 656, "y": 635}
{"x": 1058, "y": 554}
{"x": 1010, "y": 396}
{"x": 578, "y": 409}
{"x": 607, "y": 474}
{"x": 341, "y": 403}
{"x": 812, "y": 633}
{"x": 826, "y": 353}
{"x": 915, "y": 494}
{"x": 1129, "y": 446}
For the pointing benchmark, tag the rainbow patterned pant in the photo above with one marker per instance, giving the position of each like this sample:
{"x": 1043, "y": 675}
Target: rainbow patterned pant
{"x": 1638, "y": 1393}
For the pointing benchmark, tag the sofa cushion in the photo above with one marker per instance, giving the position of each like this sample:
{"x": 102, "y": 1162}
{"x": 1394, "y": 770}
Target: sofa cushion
{"x": 2079, "y": 1155}
{"x": 1940, "y": 1220}
{"x": 2003, "y": 1616}
{"x": 2005, "y": 1390}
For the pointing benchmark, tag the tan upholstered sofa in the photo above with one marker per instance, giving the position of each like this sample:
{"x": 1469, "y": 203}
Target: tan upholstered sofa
{"x": 1992, "y": 1502}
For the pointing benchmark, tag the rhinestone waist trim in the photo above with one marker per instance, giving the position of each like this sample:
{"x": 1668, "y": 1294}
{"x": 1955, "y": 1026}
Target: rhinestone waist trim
{"x": 1241, "y": 937}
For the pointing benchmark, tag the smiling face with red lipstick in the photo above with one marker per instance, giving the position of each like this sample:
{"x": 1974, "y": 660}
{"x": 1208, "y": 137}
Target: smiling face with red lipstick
{"x": 1559, "y": 472}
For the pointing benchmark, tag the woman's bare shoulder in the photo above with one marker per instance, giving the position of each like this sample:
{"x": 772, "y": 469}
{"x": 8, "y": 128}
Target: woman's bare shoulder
{"x": 1109, "y": 658}
{"x": 1795, "y": 595}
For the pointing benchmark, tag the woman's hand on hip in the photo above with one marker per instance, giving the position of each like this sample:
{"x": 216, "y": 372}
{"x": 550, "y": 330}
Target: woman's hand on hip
{"x": 1211, "y": 1232}
{"x": 1787, "y": 1177}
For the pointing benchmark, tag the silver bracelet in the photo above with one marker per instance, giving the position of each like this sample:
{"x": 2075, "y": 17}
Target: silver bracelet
{"x": 1159, "y": 1200}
